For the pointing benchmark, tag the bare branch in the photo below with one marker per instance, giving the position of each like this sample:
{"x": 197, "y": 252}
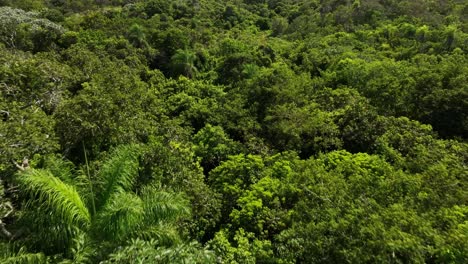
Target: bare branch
{"x": 4, "y": 231}
{"x": 21, "y": 168}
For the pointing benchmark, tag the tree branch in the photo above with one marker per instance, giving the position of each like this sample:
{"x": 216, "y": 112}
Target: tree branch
{"x": 21, "y": 168}
{"x": 3, "y": 229}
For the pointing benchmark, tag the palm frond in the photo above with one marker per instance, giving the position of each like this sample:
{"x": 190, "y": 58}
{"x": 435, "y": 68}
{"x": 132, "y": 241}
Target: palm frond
{"x": 82, "y": 251}
{"x": 120, "y": 216}
{"x": 163, "y": 206}
{"x": 161, "y": 211}
{"x": 183, "y": 61}
{"x": 7, "y": 256}
{"x": 59, "y": 167}
{"x": 53, "y": 195}
{"x": 25, "y": 258}
{"x": 83, "y": 185}
{"x": 118, "y": 172}
{"x": 38, "y": 224}
{"x": 165, "y": 234}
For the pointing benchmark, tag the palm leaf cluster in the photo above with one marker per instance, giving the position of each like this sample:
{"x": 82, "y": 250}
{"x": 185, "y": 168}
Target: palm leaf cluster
{"x": 83, "y": 225}
{"x": 10, "y": 256}
{"x": 183, "y": 62}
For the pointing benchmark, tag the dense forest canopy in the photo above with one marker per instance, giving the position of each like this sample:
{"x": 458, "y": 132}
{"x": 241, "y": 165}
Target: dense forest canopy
{"x": 240, "y": 131}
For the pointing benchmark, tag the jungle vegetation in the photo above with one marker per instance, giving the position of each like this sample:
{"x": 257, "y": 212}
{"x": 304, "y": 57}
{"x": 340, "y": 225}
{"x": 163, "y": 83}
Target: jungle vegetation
{"x": 237, "y": 131}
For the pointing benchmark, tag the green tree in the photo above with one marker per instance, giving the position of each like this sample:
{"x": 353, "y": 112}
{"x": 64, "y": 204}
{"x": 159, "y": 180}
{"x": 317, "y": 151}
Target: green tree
{"x": 195, "y": 103}
{"x": 307, "y": 129}
{"x": 113, "y": 101}
{"x": 361, "y": 208}
{"x": 279, "y": 25}
{"x": 26, "y": 31}
{"x": 137, "y": 36}
{"x": 89, "y": 219}
{"x": 172, "y": 163}
{"x": 214, "y": 146}
{"x": 233, "y": 177}
{"x": 183, "y": 62}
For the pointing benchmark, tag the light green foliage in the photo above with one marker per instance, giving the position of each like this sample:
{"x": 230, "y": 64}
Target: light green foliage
{"x": 233, "y": 177}
{"x": 236, "y": 174}
{"x": 54, "y": 195}
{"x": 213, "y": 146}
{"x": 244, "y": 249}
{"x": 259, "y": 210}
{"x": 263, "y": 208}
{"x": 362, "y": 199}
{"x": 194, "y": 102}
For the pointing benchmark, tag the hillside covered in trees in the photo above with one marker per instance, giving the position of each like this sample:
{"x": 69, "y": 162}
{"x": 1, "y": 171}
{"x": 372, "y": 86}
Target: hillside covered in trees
{"x": 240, "y": 131}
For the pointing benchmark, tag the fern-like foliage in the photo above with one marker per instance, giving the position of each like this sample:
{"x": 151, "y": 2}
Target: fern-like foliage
{"x": 120, "y": 216}
{"x": 163, "y": 206}
{"x": 149, "y": 215}
{"x": 118, "y": 173}
{"x": 9, "y": 256}
{"x": 83, "y": 250}
{"x": 60, "y": 168}
{"x": 165, "y": 234}
{"x": 137, "y": 251}
{"x": 54, "y": 196}
{"x": 161, "y": 210}
{"x": 38, "y": 225}
{"x": 58, "y": 218}
{"x": 84, "y": 186}
{"x": 52, "y": 211}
